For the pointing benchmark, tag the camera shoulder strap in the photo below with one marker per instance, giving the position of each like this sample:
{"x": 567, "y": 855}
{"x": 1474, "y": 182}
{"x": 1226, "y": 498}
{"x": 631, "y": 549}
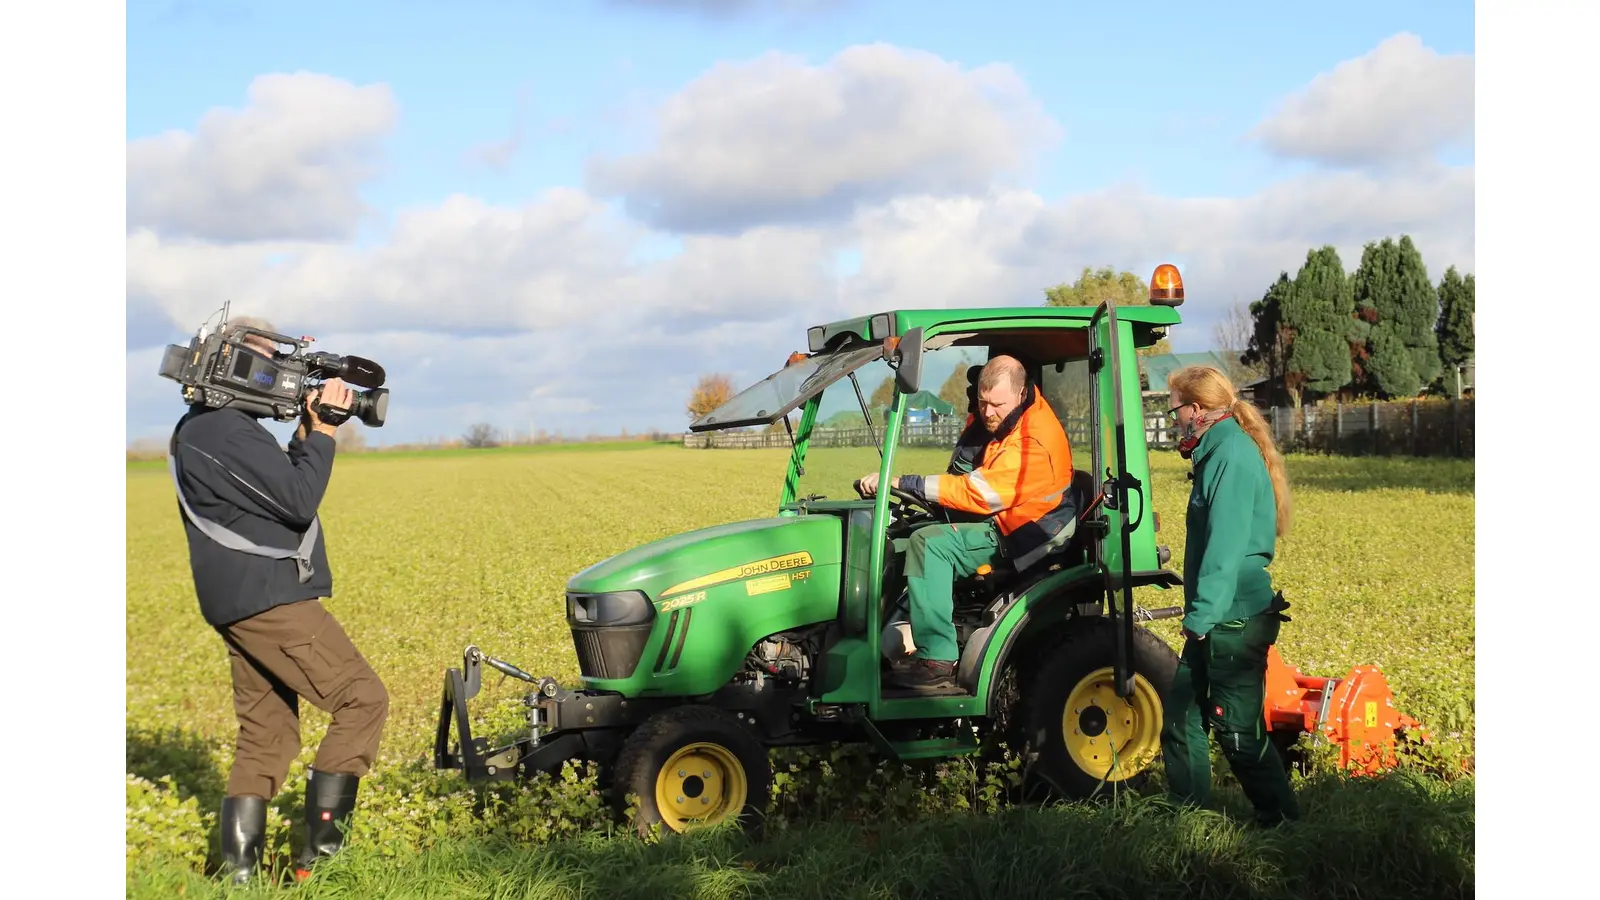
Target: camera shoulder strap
{"x": 235, "y": 541}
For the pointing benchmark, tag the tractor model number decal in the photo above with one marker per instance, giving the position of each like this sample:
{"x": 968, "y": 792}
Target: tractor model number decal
{"x": 767, "y": 585}
{"x": 771, "y": 565}
{"x": 685, "y": 600}
{"x": 779, "y": 582}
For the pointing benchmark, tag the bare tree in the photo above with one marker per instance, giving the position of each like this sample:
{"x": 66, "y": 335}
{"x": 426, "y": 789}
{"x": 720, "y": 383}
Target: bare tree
{"x": 147, "y": 448}
{"x": 481, "y": 435}
{"x": 1231, "y": 334}
{"x": 349, "y": 438}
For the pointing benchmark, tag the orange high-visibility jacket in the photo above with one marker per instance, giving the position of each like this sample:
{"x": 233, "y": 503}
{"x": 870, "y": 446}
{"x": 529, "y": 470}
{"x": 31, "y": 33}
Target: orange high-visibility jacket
{"x": 1022, "y": 481}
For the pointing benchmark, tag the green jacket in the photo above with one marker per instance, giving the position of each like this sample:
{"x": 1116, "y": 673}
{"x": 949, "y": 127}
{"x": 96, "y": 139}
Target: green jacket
{"x": 1232, "y": 530}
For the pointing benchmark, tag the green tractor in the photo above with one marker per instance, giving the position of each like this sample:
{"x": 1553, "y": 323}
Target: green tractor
{"x": 701, "y": 651}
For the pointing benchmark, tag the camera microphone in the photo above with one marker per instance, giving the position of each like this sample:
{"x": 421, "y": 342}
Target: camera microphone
{"x": 362, "y": 372}
{"x": 355, "y": 370}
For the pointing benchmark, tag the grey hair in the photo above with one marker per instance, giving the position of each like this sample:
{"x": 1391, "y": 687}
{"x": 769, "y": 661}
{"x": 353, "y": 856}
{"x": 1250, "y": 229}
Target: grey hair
{"x": 237, "y": 324}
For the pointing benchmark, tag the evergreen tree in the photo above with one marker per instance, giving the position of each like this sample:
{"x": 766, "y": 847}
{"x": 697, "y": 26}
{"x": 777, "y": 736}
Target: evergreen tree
{"x": 1418, "y": 311}
{"x": 1397, "y": 308}
{"x": 1454, "y": 330}
{"x": 1389, "y": 366}
{"x": 1316, "y": 313}
{"x": 1375, "y": 285}
{"x": 1268, "y": 346}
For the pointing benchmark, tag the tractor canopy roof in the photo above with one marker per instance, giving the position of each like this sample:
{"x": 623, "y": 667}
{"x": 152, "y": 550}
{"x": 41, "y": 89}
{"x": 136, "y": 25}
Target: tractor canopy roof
{"x": 838, "y": 348}
{"x": 878, "y": 326}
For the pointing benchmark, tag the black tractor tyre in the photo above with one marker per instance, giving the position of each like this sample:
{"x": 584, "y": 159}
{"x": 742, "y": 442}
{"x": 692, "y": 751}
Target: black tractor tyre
{"x": 1097, "y": 719}
{"x": 691, "y": 761}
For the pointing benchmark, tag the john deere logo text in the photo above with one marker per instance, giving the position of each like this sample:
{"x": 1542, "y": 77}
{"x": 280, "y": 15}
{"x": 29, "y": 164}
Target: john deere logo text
{"x": 783, "y": 563}
{"x": 776, "y": 564}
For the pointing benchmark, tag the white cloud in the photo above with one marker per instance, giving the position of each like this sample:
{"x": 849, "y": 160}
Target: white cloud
{"x": 288, "y": 166}
{"x": 466, "y": 266}
{"x": 1400, "y": 103}
{"x": 549, "y": 314}
{"x": 776, "y": 140}
{"x": 1232, "y": 248}
{"x": 460, "y": 265}
{"x": 754, "y": 276}
{"x": 581, "y": 338}
{"x": 949, "y": 251}
{"x": 1008, "y": 247}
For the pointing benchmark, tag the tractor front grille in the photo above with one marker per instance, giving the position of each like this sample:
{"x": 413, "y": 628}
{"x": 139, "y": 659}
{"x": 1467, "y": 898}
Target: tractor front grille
{"x": 609, "y": 651}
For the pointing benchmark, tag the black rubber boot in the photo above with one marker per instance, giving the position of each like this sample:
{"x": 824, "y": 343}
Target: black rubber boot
{"x": 243, "y": 832}
{"x": 330, "y": 799}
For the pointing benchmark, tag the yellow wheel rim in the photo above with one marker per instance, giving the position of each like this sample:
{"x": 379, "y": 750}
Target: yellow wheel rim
{"x": 1107, "y": 736}
{"x": 701, "y": 784}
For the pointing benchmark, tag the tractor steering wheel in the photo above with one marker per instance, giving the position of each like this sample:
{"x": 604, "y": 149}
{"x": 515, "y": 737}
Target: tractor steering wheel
{"x": 905, "y": 497}
{"x": 909, "y": 499}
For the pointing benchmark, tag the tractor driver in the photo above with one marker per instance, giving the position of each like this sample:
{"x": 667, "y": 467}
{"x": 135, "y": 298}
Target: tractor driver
{"x": 1020, "y": 483}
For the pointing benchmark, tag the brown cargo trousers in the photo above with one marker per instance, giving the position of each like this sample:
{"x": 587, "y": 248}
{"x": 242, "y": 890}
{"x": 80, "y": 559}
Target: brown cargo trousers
{"x": 278, "y": 656}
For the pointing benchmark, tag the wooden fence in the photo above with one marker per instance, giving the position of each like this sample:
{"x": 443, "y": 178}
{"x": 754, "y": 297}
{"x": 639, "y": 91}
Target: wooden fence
{"x": 1424, "y": 427}
{"x": 1407, "y": 428}
{"x": 1431, "y": 427}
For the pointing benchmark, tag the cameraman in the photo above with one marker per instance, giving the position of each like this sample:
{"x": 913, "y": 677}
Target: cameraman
{"x": 282, "y": 644}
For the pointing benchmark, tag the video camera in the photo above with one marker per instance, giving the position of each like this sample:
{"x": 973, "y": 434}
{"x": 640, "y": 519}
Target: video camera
{"x": 219, "y": 371}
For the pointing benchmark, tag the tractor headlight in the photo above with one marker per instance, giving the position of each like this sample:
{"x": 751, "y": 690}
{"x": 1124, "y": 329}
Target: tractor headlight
{"x": 610, "y": 608}
{"x": 609, "y": 631}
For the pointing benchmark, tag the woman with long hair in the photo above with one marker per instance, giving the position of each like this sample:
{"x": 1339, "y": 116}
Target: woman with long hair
{"x": 1238, "y": 507}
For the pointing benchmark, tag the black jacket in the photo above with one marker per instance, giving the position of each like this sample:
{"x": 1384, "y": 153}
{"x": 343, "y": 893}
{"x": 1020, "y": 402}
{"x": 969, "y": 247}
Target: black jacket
{"x": 233, "y": 472}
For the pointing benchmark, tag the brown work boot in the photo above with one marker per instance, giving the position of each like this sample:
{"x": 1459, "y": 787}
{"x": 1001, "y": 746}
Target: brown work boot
{"x": 923, "y": 673}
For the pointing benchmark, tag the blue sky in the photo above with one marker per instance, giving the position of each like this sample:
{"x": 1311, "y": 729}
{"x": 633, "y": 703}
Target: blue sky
{"x": 1129, "y": 141}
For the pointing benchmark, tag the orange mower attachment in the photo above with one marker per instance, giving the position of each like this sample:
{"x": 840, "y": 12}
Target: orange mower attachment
{"x": 1356, "y": 712}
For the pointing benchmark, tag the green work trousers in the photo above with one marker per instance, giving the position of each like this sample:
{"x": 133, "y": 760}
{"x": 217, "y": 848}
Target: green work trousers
{"x": 1221, "y": 687}
{"x": 936, "y": 555}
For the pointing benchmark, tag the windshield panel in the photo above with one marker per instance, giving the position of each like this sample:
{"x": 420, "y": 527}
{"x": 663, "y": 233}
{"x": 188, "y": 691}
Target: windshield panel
{"x": 774, "y": 396}
{"x": 843, "y": 447}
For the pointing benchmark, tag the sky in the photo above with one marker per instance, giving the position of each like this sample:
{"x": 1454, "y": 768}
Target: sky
{"x": 560, "y": 215}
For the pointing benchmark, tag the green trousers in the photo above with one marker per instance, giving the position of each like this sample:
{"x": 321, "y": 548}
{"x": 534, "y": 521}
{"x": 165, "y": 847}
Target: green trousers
{"x": 936, "y": 555}
{"x": 1220, "y": 687}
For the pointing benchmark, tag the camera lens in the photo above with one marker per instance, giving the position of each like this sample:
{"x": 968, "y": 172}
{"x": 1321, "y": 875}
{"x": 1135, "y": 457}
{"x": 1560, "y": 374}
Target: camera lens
{"x": 371, "y": 407}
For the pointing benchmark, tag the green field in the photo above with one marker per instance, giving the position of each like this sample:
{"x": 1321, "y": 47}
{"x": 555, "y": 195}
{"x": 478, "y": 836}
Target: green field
{"x": 433, "y": 552}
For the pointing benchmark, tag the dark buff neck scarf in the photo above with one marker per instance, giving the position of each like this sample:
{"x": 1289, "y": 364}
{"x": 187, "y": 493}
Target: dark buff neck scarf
{"x": 1197, "y": 428}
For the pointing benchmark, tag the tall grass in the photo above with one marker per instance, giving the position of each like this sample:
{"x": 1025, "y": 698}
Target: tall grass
{"x": 431, "y": 553}
{"x": 1401, "y": 837}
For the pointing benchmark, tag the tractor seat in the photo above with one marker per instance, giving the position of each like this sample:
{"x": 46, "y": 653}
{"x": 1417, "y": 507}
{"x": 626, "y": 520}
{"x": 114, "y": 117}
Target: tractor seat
{"x": 1082, "y": 492}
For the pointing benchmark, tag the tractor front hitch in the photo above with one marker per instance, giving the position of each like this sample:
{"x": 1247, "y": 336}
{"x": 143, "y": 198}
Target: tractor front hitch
{"x": 563, "y": 724}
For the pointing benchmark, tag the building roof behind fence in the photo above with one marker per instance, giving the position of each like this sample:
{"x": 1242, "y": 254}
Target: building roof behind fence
{"x": 929, "y": 400}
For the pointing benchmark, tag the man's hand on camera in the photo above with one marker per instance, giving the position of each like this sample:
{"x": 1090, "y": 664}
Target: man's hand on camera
{"x": 333, "y": 392}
